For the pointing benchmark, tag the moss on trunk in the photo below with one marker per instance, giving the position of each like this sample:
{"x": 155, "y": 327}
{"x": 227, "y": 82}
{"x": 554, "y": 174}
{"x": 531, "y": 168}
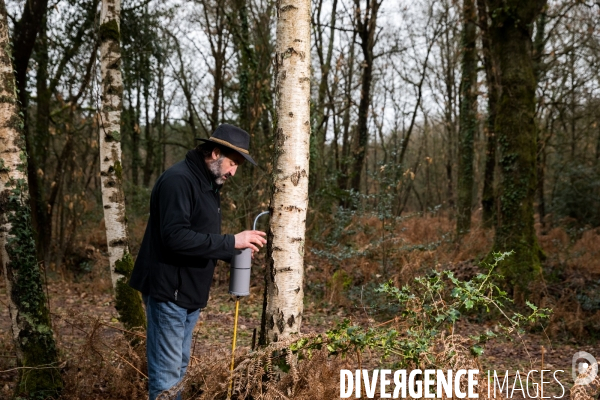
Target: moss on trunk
{"x": 35, "y": 341}
{"x": 516, "y": 133}
{"x": 127, "y": 299}
{"x": 110, "y": 31}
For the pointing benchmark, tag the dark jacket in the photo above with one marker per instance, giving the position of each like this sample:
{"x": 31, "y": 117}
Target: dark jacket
{"x": 183, "y": 236}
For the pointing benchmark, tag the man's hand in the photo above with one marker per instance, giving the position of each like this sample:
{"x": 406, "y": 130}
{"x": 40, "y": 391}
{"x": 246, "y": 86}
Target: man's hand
{"x": 250, "y": 239}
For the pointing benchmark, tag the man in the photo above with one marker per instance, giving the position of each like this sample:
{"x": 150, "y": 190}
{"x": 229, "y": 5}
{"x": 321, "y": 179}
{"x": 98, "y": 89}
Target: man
{"x": 175, "y": 265}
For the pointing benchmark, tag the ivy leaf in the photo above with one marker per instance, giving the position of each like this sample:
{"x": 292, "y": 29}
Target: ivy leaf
{"x": 477, "y": 350}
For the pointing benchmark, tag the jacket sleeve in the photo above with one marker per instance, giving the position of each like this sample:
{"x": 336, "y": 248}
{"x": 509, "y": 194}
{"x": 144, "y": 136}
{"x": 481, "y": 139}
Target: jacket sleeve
{"x": 175, "y": 205}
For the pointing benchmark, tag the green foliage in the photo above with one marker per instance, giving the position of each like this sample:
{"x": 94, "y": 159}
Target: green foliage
{"x": 36, "y": 340}
{"x": 119, "y": 170}
{"x": 341, "y": 279}
{"x": 127, "y": 299}
{"x": 426, "y": 309}
{"x": 138, "y": 200}
{"x": 3, "y": 168}
{"x": 577, "y": 194}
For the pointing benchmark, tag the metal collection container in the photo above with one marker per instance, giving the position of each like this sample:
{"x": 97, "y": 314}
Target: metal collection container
{"x": 239, "y": 272}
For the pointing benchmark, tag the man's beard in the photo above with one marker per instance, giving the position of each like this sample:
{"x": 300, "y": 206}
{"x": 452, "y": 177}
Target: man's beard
{"x": 215, "y": 170}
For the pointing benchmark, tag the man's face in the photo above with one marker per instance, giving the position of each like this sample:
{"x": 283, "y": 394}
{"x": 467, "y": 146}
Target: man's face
{"x": 223, "y": 167}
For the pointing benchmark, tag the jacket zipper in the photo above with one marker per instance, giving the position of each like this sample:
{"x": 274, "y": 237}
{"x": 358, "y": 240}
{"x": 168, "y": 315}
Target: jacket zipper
{"x": 178, "y": 282}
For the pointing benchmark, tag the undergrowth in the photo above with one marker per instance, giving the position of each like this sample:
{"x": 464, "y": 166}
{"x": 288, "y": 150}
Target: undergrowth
{"x": 420, "y": 336}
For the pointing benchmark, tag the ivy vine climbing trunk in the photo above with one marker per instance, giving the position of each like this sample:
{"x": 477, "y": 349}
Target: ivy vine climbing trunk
{"x": 283, "y": 307}
{"x": 468, "y": 119}
{"x": 128, "y": 301}
{"x": 488, "y": 198}
{"x": 27, "y": 303}
{"x": 510, "y": 34}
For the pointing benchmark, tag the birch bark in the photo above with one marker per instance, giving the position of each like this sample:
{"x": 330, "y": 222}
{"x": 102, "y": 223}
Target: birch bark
{"x": 283, "y": 307}
{"x": 128, "y": 302}
{"x": 27, "y": 303}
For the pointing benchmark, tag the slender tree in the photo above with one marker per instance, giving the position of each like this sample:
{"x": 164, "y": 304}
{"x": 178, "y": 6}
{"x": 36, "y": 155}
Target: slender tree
{"x": 488, "y": 197}
{"x": 538, "y": 70}
{"x": 510, "y": 33}
{"x": 37, "y": 356}
{"x": 26, "y": 30}
{"x": 468, "y": 118}
{"x": 128, "y": 301}
{"x": 321, "y": 110}
{"x": 366, "y": 25}
{"x": 284, "y": 295}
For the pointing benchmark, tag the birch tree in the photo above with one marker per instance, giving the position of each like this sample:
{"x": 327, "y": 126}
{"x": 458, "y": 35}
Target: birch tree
{"x": 30, "y": 318}
{"x": 128, "y": 302}
{"x": 283, "y": 308}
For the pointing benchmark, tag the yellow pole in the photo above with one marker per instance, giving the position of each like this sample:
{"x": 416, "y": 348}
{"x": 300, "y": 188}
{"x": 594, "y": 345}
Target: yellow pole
{"x": 235, "y": 322}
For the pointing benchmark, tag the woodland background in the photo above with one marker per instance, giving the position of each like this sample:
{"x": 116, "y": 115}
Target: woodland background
{"x": 385, "y": 165}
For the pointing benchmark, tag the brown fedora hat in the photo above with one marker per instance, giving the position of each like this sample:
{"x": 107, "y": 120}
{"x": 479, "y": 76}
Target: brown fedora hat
{"x": 232, "y": 137}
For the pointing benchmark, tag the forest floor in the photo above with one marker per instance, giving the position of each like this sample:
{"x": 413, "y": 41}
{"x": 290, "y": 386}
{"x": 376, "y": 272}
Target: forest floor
{"x": 83, "y": 314}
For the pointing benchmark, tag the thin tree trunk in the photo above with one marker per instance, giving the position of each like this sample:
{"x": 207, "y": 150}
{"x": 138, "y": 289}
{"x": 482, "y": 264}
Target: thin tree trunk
{"x": 488, "y": 197}
{"x": 128, "y": 301}
{"x": 42, "y": 141}
{"x": 27, "y": 303}
{"x": 283, "y": 308}
{"x": 468, "y": 119}
{"x": 136, "y": 159}
{"x": 516, "y": 130}
{"x": 345, "y": 156}
{"x": 158, "y": 122}
{"x": 538, "y": 70}
{"x": 149, "y": 163}
{"x": 25, "y": 34}
{"x": 319, "y": 162}
{"x": 449, "y": 118}
{"x": 366, "y": 31}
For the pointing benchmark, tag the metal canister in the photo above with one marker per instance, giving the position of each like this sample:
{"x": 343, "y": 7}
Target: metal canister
{"x": 239, "y": 279}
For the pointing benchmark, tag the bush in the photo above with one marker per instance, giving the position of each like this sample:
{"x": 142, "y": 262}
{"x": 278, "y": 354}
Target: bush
{"x": 577, "y": 195}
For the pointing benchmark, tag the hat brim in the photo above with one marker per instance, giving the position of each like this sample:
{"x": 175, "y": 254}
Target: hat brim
{"x": 246, "y": 156}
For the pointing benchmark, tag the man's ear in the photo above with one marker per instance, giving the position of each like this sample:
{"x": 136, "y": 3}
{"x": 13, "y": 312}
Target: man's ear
{"x": 216, "y": 153}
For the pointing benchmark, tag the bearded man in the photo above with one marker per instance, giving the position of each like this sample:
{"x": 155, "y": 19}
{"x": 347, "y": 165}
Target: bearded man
{"x": 183, "y": 240}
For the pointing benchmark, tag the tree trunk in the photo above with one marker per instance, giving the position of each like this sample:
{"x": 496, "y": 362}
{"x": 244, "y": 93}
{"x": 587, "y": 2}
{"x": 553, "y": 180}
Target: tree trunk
{"x": 488, "y": 197}
{"x": 128, "y": 302}
{"x": 42, "y": 138}
{"x": 27, "y": 303}
{"x": 539, "y": 70}
{"x": 283, "y": 308}
{"x": 148, "y": 134}
{"x": 516, "y": 130}
{"x": 136, "y": 158}
{"x": 468, "y": 119}
{"x": 321, "y": 108}
{"x": 25, "y": 34}
{"x": 344, "y": 159}
{"x": 366, "y": 31}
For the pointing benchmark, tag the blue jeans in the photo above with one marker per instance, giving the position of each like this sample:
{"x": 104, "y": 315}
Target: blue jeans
{"x": 168, "y": 343}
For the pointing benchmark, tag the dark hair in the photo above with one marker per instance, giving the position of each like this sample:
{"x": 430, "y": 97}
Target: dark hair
{"x": 206, "y": 148}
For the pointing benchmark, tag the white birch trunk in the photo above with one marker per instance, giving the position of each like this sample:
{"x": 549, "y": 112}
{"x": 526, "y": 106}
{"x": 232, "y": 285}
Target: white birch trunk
{"x": 30, "y": 319}
{"x": 113, "y": 198}
{"x": 283, "y": 307}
